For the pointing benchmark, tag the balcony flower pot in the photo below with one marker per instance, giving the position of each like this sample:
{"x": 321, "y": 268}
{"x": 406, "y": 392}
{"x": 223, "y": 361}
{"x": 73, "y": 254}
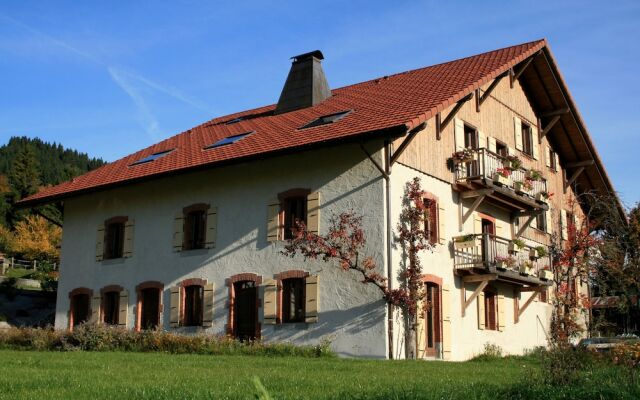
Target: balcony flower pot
{"x": 500, "y": 179}
{"x": 504, "y": 263}
{"x": 526, "y": 269}
{"x": 515, "y": 245}
{"x": 543, "y": 197}
{"x": 545, "y": 275}
{"x": 464, "y": 242}
{"x": 521, "y": 187}
{"x": 464, "y": 156}
{"x": 533, "y": 253}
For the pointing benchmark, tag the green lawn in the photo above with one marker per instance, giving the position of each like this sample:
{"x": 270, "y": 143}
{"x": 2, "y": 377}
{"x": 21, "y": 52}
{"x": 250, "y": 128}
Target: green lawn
{"x": 92, "y": 375}
{"x": 19, "y": 273}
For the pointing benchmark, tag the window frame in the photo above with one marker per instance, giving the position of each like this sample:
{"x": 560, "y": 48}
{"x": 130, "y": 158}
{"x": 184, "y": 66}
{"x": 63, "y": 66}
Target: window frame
{"x": 188, "y": 230}
{"x": 502, "y": 145}
{"x": 491, "y": 313}
{"x": 527, "y": 139}
{"x": 293, "y": 286}
{"x": 284, "y": 198}
{"x": 192, "y": 308}
{"x": 471, "y": 133}
{"x": 73, "y": 306}
{"x": 111, "y": 250}
{"x": 552, "y": 160}
{"x": 541, "y": 221}
{"x": 432, "y": 223}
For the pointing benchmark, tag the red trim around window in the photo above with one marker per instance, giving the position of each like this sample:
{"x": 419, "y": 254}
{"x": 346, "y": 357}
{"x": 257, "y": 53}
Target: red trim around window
{"x": 139, "y": 289}
{"x": 75, "y": 292}
{"x": 247, "y": 276}
{"x": 293, "y": 273}
{"x": 183, "y": 294}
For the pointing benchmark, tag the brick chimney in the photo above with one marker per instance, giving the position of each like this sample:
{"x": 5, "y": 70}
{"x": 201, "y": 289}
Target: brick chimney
{"x": 306, "y": 84}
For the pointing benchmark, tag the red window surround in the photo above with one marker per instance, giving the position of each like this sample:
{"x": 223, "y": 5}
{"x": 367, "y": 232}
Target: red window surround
{"x": 72, "y": 311}
{"x": 139, "y": 289}
{"x": 431, "y": 223}
{"x": 437, "y": 306}
{"x": 103, "y": 291}
{"x": 183, "y": 294}
{"x": 247, "y": 276}
{"x": 294, "y": 273}
{"x": 290, "y": 200}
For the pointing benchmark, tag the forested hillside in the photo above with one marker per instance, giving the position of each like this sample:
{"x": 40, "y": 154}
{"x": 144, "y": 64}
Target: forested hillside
{"x": 26, "y": 165}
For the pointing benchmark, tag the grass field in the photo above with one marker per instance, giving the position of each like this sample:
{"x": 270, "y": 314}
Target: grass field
{"x": 114, "y": 375}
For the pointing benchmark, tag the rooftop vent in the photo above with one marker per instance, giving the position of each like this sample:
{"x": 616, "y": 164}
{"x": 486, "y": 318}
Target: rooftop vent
{"x": 306, "y": 84}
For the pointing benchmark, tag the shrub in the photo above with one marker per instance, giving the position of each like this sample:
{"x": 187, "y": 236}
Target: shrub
{"x": 491, "y": 352}
{"x": 89, "y": 337}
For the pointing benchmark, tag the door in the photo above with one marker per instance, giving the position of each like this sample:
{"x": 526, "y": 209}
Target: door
{"x": 150, "y": 312}
{"x": 488, "y": 242}
{"x": 80, "y": 308}
{"x": 245, "y": 312}
{"x": 432, "y": 320}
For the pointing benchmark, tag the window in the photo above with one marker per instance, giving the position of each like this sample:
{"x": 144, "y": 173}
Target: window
{"x": 80, "y": 308}
{"x": 502, "y": 149}
{"x": 294, "y": 208}
{"x": 229, "y": 140}
{"x": 326, "y": 119}
{"x": 431, "y": 220}
{"x": 490, "y": 310}
{"x": 193, "y": 302}
{"x": 152, "y": 157}
{"x": 432, "y": 318}
{"x": 293, "y": 300}
{"x": 195, "y": 224}
{"x": 553, "y": 158}
{"x": 470, "y": 137}
{"x": 527, "y": 139}
{"x": 110, "y": 307}
{"x": 114, "y": 238}
{"x": 541, "y": 221}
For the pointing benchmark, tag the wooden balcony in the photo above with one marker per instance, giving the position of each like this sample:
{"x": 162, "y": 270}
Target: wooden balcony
{"x": 478, "y": 178}
{"x": 485, "y": 254}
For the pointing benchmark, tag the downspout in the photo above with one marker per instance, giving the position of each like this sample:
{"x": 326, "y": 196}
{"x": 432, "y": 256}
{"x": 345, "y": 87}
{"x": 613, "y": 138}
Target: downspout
{"x": 387, "y": 167}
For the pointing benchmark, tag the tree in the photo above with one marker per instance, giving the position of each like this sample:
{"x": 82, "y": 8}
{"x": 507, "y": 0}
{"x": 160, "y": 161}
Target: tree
{"x": 36, "y": 239}
{"x": 25, "y": 175}
{"x": 345, "y": 240}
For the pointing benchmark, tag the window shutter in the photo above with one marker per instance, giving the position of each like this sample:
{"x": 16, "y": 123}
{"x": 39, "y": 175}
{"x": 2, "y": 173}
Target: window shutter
{"x": 511, "y": 151}
{"x": 477, "y": 223}
{"x": 501, "y": 313}
{"x": 548, "y": 220}
{"x": 557, "y": 161}
{"x": 446, "y": 323}
{"x": 311, "y": 308}
{"x": 273, "y": 221}
{"x": 100, "y": 242}
{"x": 491, "y": 144}
{"x": 499, "y": 230}
{"x": 459, "y": 134}
{"x": 313, "y": 213}
{"x": 178, "y": 231}
{"x": 96, "y": 301}
{"x": 270, "y": 301}
{"x": 563, "y": 225}
{"x": 123, "y": 312}
{"x": 207, "y": 310}
{"x": 174, "y": 318}
{"x": 128, "y": 238}
{"x": 481, "y": 312}
{"x": 482, "y": 140}
{"x": 442, "y": 237}
{"x": 535, "y": 144}
{"x": 212, "y": 228}
{"x": 547, "y": 156}
{"x": 517, "y": 128}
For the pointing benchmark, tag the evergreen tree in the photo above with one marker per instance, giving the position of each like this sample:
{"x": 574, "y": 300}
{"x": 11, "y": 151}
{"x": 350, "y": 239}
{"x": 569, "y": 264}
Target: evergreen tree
{"x": 24, "y": 175}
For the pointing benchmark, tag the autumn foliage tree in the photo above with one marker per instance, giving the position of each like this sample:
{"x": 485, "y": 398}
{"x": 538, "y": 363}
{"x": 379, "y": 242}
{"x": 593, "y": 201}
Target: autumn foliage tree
{"x": 34, "y": 238}
{"x": 344, "y": 243}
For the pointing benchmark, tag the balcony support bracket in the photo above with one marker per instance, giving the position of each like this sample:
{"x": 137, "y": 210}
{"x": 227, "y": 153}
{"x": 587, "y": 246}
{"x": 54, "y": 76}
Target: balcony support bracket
{"x": 482, "y": 98}
{"x": 526, "y": 225}
{"x": 406, "y": 142}
{"x": 573, "y": 178}
{"x": 442, "y": 123}
{"x": 480, "y": 196}
{"x": 520, "y": 311}
{"x": 484, "y": 281}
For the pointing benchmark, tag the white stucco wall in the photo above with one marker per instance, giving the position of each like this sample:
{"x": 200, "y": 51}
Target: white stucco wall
{"x": 352, "y": 316}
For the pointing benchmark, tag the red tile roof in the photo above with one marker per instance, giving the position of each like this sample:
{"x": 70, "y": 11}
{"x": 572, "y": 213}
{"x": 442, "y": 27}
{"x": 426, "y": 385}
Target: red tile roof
{"x": 403, "y": 100}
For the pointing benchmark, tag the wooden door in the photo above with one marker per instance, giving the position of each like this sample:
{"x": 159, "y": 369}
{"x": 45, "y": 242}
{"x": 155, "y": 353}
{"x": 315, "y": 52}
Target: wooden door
{"x": 245, "y": 310}
{"x": 150, "y": 313}
{"x": 488, "y": 242}
{"x": 432, "y": 319}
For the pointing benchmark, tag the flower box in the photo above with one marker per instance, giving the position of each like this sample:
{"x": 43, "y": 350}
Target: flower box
{"x": 514, "y": 248}
{"x": 525, "y": 269}
{"x": 541, "y": 198}
{"x": 545, "y": 275}
{"x": 519, "y": 187}
{"x": 533, "y": 253}
{"x": 500, "y": 180}
{"x": 464, "y": 244}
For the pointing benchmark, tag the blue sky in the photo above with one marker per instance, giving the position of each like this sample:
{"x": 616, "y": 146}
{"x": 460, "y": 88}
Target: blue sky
{"x": 110, "y": 78}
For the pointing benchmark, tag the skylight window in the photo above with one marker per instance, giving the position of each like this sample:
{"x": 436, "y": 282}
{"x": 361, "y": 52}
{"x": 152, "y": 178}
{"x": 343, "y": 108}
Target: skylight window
{"x": 152, "y": 157}
{"x": 327, "y": 119}
{"x": 229, "y": 140}
{"x": 234, "y": 121}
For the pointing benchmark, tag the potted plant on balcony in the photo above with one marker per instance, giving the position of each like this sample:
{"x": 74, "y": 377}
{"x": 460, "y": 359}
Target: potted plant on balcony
{"x": 522, "y": 187}
{"x": 545, "y": 273}
{"x": 501, "y": 176}
{"x": 515, "y": 245}
{"x": 543, "y": 196}
{"x": 526, "y": 268}
{"x": 538, "y": 252}
{"x": 505, "y": 262}
{"x": 512, "y": 162}
{"x": 534, "y": 175}
{"x": 464, "y": 156}
{"x": 464, "y": 241}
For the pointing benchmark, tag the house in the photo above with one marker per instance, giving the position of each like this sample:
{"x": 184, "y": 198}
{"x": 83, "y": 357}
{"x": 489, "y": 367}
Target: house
{"x": 186, "y": 235}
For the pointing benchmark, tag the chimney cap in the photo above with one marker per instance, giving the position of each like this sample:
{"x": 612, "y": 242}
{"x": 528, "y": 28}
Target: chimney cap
{"x": 316, "y": 53}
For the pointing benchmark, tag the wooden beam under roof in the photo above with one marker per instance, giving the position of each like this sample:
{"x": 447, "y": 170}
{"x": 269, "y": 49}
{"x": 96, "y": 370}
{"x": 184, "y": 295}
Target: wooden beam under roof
{"x": 577, "y": 164}
{"x": 443, "y": 124}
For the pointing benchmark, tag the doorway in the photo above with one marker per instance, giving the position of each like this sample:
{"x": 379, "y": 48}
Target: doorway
{"x": 150, "y": 308}
{"x": 432, "y": 319}
{"x": 245, "y": 310}
{"x": 488, "y": 239}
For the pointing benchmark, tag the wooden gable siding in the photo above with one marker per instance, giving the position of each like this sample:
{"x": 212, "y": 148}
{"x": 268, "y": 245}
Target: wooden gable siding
{"x": 495, "y": 119}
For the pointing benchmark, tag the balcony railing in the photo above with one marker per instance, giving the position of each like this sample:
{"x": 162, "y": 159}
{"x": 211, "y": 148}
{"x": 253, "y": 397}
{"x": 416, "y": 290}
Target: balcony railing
{"x": 486, "y": 165}
{"x": 490, "y": 251}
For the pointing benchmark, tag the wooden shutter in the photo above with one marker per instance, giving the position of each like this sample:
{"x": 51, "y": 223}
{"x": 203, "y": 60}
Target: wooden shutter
{"x": 491, "y": 144}
{"x": 212, "y": 228}
{"x": 446, "y": 323}
{"x": 270, "y": 301}
{"x": 313, "y": 213}
{"x": 459, "y": 134}
{"x": 100, "y": 242}
{"x": 563, "y": 225}
{"x": 442, "y": 237}
{"x": 501, "y": 313}
{"x": 499, "y": 230}
{"x": 534, "y": 143}
{"x": 421, "y": 336}
{"x": 517, "y": 129}
{"x": 123, "y": 311}
{"x": 174, "y": 318}
{"x": 481, "y": 312}
{"x": 311, "y": 308}
{"x": 273, "y": 221}
{"x": 207, "y": 309}
{"x": 557, "y": 161}
{"x": 482, "y": 140}
{"x": 96, "y": 301}
{"x": 547, "y": 156}
{"x": 477, "y": 223}
{"x": 548, "y": 219}
{"x": 128, "y": 238}
{"x": 178, "y": 231}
